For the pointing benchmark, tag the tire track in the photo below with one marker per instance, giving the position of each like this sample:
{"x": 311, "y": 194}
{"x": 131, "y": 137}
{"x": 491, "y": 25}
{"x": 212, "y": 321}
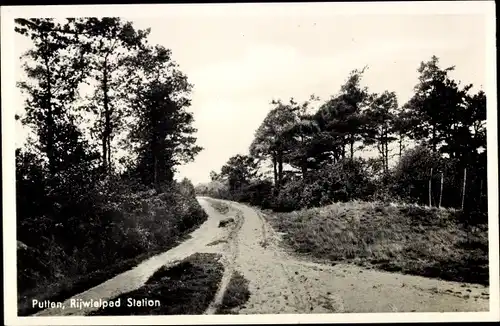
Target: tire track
{"x": 136, "y": 277}
{"x": 228, "y": 260}
{"x": 280, "y": 282}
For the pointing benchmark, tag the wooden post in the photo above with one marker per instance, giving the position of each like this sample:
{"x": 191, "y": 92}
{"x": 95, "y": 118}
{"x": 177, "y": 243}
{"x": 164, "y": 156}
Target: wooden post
{"x": 463, "y": 188}
{"x": 441, "y": 190}
{"x": 430, "y": 189}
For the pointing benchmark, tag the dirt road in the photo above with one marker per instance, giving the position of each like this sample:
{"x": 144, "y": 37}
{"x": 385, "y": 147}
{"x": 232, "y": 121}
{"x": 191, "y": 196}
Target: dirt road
{"x": 282, "y": 283}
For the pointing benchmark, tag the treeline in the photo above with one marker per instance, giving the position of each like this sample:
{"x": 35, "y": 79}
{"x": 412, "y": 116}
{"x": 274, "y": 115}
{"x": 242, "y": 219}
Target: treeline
{"x": 313, "y": 153}
{"x": 109, "y": 124}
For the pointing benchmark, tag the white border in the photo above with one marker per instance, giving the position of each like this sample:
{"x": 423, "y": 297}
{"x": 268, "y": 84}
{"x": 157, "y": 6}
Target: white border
{"x": 8, "y": 14}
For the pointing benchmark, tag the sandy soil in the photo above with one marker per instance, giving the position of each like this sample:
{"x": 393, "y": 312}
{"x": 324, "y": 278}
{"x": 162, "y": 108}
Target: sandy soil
{"x": 280, "y": 282}
{"x": 137, "y": 277}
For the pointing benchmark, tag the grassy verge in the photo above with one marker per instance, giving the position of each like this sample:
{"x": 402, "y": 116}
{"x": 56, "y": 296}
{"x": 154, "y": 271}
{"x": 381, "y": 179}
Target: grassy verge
{"x": 219, "y": 206}
{"x": 69, "y": 287}
{"x": 236, "y": 294}
{"x": 143, "y": 228}
{"x": 184, "y": 289}
{"x": 216, "y": 242}
{"x": 408, "y": 239}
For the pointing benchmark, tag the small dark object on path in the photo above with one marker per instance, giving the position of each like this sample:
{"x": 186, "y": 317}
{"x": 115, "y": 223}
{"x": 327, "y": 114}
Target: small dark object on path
{"x": 226, "y": 221}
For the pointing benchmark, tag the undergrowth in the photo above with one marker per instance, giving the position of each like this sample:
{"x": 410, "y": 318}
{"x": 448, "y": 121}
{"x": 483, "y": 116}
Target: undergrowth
{"x": 236, "y": 295}
{"x": 410, "y": 239}
{"x": 184, "y": 289}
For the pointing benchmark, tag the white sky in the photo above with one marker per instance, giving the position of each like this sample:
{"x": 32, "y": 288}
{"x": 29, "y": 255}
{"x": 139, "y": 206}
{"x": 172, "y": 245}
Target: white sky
{"x": 238, "y": 62}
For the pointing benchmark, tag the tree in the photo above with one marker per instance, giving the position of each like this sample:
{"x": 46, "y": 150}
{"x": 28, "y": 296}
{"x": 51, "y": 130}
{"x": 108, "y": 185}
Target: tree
{"x": 299, "y": 138}
{"x": 55, "y": 69}
{"x": 380, "y": 117}
{"x": 161, "y": 131}
{"x": 436, "y": 105}
{"x": 451, "y": 121}
{"x": 214, "y": 176}
{"x": 239, "y": 171}
{"x": 349, "y": 117}
{"x": 341, "y": 121}
{"x": 468, "y": 136}
{"x": 330, "y": 142}
{"x": 108, "y": 40}
{"x": 402, "y": 126}
{"x": 271, "y": 138}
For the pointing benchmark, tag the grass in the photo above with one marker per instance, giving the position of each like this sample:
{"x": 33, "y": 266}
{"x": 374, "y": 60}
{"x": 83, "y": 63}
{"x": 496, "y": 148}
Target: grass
{"x": 219, "y": 206}
{"x": 409, "y": 239}
{"x": 184, "y": 289}
{"x": 216, "y": 242}
{"x": 236, "y": 294}
{"x": 69, "y": 287}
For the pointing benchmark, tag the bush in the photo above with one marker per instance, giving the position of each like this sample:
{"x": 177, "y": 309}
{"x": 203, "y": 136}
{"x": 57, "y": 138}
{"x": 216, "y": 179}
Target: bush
{"x": 410, "y": 180}
{"x": 215, "y": 189}
{"x": 412, "y": 239}
{"x": 411, "y": 175}
{"x": 258, "y": 193}
{"x": 79, "y": 232}
{"x": 290, "y": 197}
{"x": 338, "y": 182}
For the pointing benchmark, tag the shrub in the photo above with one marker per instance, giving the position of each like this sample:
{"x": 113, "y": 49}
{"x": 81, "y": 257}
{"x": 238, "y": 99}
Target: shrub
{"x": 259, "y": 193}
{"x": 410, "y": 180}
{"x": 85, "y": 232}
{"x": 412, "y": 239}
{"x": 338, "y": 182}
{"x": 411, "y": 175}
{"x": 215, "y": 189}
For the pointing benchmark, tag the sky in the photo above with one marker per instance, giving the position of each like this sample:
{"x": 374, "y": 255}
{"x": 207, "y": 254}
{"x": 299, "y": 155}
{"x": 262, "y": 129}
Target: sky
{"x": 239, "y": 61}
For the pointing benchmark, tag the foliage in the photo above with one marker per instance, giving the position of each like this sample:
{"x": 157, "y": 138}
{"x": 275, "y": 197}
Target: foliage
{"x": 380, "y": 117}
{"x": 341, "y": 181}
{"x": 239, "y": 171}
{"x": 186, "y": 288}
{"x": 411, "y": 239}
{"x": 161, "y": 129}
{"x": 307, "y": 149}
{"x": 76, "y": 212}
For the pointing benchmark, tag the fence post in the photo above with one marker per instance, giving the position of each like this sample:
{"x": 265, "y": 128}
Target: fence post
{"x": 463, "y": 188}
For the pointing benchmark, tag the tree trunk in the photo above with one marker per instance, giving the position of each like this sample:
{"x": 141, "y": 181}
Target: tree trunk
{"x": 104, "y": 151}
{"x": 434, "y": 139}
{"x": 155, "y": 173}
{"x": 380, "y": 149}
{"x": 463, "y": 188}
{"x": 280, "y": 170}
{"x": 400, "y": 145}
{"x": 50, "y": 123}
{"x": 430, "y": 189}
{"x": 275, "y": 173}
{"x": 441, "y": 190}
{"x": 109, "y": 153}
{"x": 106, "y": 132}
{"x": 386, "y": 156}
{"x": 352, "y": 149}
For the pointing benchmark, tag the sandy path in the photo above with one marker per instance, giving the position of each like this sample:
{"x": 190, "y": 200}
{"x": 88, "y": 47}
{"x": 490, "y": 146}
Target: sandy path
{"x": 137, "y": 277}
{"x": 282, "y": 283}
